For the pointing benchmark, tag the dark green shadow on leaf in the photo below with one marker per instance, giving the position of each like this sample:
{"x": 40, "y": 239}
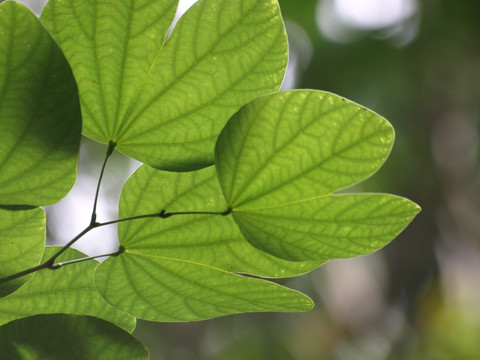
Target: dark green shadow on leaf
{"x": 39, "y": 112}
{"x": 17, "y": 207}
{"x": 60, "y": 337}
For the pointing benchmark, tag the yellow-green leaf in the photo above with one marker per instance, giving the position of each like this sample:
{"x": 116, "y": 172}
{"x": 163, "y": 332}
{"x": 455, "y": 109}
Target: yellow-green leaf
{"x": 164, "y": 103}
{"x": 281, "y": 158}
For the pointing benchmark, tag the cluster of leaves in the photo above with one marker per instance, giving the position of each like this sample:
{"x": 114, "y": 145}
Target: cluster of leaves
{"x": 196, "y": 241}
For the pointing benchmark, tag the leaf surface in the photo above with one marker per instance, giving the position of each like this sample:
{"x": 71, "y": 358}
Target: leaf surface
{"x": 212, "y": 240}
{"x": 163, "y": 289}
{"x": 22, "y": 240}
{"x": 39, "y": 112}
{"x": 68, "y": 290}
{"x": 164, "y": 103}
{"x": 281, "y": 157}
{"x": 60, "y": 336}
{"x": 185, "y": 267}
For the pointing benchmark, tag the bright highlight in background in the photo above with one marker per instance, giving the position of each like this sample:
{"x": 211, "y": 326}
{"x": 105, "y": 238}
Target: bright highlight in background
{"x": 374, "y": 14}
{"x": 347, "y": 20}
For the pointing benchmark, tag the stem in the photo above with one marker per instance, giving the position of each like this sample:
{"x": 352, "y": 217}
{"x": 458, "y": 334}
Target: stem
{"x": 111, "y": 146}
{"x": 23, "y": 273}
{"x": 60, "y": 264}
{"x": 50, "y": 263}
{"x": 163, "y": 214}
{"x": 93, "y": 224}
{"x": 70, "y": 243}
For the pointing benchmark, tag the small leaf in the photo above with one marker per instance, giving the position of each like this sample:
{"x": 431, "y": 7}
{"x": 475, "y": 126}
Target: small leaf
{"x": 280, "y": 158}
{"x": 165, "y": 103}
{"x": 61, "y": 336}
{"x": 69, "y": 290}
{"x": 185, "y": 267}
{"x": 39, "y": 112}
{"x": 22, "y": 240}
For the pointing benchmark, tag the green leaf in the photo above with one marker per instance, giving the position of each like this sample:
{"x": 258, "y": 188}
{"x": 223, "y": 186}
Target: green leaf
{"x": 164, "y": 289}
{"x": 210, "y": 240}
{"x": 22, "y": 240}
{"x": 281, "y": 157}
{"x": 39, "y": 112}
{"x": 60, "y": 336}
{"x": 68, "y": 290}
{"x": 185, "y": 267}
{"x": 165, "y": 103}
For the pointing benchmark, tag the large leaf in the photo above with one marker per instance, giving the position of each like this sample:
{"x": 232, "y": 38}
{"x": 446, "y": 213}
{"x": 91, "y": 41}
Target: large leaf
{"x": 68, "y": 290}
{"x": 39, "y": 112}
{"x": 205, "y": 239}
{"x": 281, "y": 157}
{"x": 184, "y": 267}
{"x": 165, "y": 104}
{"x": 164, "y": 289}
{"x": 22, "y": 240}
{"x": 60, "y": 336}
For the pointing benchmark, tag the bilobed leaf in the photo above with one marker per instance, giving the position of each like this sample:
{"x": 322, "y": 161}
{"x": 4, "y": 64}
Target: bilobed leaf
{"x": 61, "y": 336}
{"x": 39, "y": 112}
{"x": 22, "y": 240}
{"x": 185, "y": 267}
{"x": 210, "y": 240}
{"x": 111, "y": 47}
{"x": 68, "y": 290}
{"x": 281, "y": 157}
{"x": 165, "y": 103}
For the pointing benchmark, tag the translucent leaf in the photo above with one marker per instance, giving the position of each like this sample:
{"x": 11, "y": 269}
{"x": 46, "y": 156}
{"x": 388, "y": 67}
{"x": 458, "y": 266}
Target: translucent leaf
{"x": 164, "y": 289}
{"x": 184, "y": 267}
{"x": 61, "y": 336}
{"x": 281, "y": 157}
{"x": 22, "y": 240}
{"x": 165, "y": 103}
{"x": 210, "y": 240}
{"x": 68, "y": 290}
{"x": 39, "y": 112}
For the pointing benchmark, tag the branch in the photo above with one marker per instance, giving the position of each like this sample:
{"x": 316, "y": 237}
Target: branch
{"x": 60, "y": 264}
{"x": 111, "y": 147}
{"x": 50, "y": 263}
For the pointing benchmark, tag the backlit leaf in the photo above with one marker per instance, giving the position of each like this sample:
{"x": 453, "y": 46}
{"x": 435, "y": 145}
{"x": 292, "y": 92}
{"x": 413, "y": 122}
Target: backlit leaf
{"x": 210, "y": 240}
{"x": 61, "y": 336}
{"x": 39, "y": 112}
{"x": 22, "y": 240}
{"x": 185, "y": 267}
{"x": 281, "y": 157}
{"x": 164, "y": 289}
{"x": 165, "y": 103}
{"x": 68, "y": 290}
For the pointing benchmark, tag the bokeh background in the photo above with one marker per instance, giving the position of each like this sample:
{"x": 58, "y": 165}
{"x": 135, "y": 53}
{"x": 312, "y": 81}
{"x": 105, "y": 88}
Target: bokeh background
{"x": 417, "y": 63}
